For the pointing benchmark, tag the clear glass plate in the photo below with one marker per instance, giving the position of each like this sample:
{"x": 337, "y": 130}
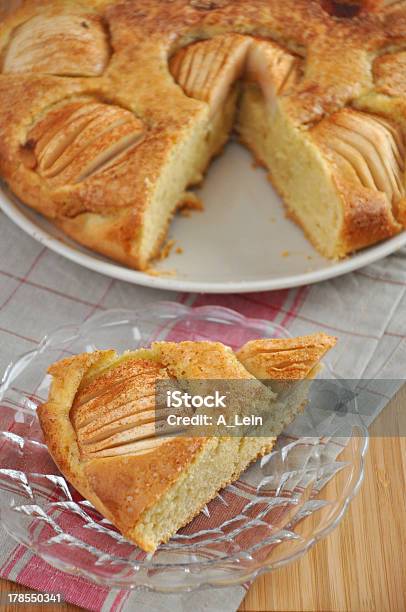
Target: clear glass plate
{"x": 279, "y": 508}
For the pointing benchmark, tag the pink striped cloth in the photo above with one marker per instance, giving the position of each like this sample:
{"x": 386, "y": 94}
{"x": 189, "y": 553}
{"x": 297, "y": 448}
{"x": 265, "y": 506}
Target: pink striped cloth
{"x": 40, "y": 291}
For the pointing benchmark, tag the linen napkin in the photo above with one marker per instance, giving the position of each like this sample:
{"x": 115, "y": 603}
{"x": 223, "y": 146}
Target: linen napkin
{"x": 40, "y": 291}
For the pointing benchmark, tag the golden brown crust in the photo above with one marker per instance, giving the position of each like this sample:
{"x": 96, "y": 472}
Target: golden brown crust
{"x": 389, "y": 70}
{"x": 367, "y": 219}
{"x": 54, "y": 418}
{"x": 199, "y": 360}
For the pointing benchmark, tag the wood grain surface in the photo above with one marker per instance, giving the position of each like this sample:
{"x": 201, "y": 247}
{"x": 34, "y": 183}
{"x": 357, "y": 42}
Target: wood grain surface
{"x": 361, "y": 566}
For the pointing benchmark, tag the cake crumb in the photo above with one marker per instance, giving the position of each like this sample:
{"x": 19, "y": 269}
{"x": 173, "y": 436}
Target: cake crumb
{"x": 185, "y": 212}
{"x": 189, "y": 203}
{"x": 285, "y": 254}
{"x": 309, "y": 257}
{"x": 162, "y": 273}
{"x": 179, "y": 251}
{"x": 166, "y": 250}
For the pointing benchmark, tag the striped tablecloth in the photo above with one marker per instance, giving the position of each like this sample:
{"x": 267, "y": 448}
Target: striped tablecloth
{"x": 40, "y": 291}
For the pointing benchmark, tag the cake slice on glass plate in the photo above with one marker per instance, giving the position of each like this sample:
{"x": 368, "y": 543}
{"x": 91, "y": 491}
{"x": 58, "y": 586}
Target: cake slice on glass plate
{"x": 104, "y": 427}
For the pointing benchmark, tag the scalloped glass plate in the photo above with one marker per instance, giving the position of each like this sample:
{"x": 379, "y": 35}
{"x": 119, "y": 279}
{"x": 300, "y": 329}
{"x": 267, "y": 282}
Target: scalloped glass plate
{"x": 279, "y": 508}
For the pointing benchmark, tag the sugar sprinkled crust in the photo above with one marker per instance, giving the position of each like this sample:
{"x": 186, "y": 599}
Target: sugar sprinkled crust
{"x": 99, "y": 424}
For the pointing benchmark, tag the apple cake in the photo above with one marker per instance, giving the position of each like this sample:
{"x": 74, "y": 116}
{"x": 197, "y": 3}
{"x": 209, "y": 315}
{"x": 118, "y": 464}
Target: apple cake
{"x": 102, "y": 416}
{"x": 111, "y": 111}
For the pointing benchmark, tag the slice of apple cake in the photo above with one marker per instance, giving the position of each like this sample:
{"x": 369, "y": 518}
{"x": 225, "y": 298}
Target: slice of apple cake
{"x": 104, "y": 427}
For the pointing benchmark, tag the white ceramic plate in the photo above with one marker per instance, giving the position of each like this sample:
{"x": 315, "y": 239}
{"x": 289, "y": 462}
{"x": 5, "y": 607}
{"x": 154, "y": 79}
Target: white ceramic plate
{"x": 242, "y": 242}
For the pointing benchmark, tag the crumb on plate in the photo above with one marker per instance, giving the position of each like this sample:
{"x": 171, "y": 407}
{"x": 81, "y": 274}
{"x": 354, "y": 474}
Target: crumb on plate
{"x": 162, "y": 273}
{"x": 166, "y": 250}
{"x": 189, "y": 203}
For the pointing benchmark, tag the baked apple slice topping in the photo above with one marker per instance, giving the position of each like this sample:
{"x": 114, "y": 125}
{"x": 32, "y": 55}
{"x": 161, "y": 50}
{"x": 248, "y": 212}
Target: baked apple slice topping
{"x": 285, "y": 359}
{"x": 369, "y": 148}
{"x": 79, "y": 140}
{"x": 63, "y": 45}
{"x": 115, "y": 414}
{"x": 206, "y": 70}
{"x": 276, "y": 71}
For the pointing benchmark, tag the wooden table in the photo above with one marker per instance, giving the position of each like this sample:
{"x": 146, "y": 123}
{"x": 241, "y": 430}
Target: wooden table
{"x": 361, "y": 566}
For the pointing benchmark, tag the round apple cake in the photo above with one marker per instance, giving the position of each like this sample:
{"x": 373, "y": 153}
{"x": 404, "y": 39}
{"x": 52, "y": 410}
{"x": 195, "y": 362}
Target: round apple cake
{"x": 111, "y": 111}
